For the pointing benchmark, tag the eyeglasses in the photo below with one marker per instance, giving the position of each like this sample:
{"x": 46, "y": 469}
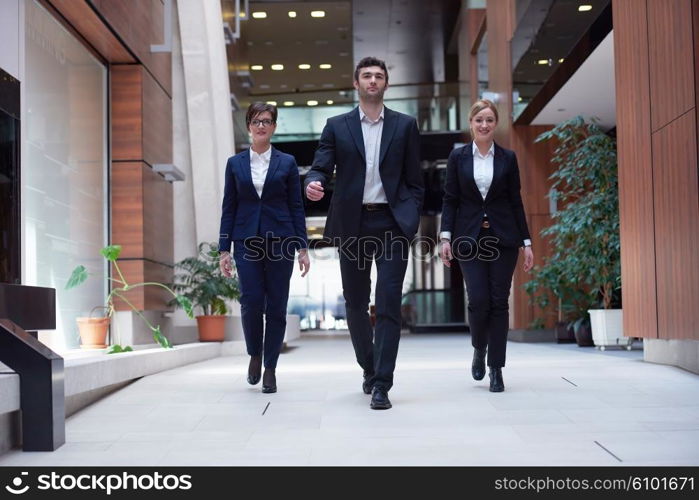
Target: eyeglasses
{"x": 266, "y": 122}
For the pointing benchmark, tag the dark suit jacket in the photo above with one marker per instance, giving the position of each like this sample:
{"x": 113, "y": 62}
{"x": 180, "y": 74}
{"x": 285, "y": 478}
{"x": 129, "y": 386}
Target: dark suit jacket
{"x": 342, "y": 145}
{"x": 463, "y": 207}
{"x": 279, "y": 212}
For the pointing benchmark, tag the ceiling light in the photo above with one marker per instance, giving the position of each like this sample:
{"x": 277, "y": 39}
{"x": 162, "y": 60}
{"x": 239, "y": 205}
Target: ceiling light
{"x": 256, "y": 67}
{"x": 343, "y": 54}
{"x": 292, "y": 13}
{"x": 325, "y": 66}
{"x": 304, "y": 66}
{"x": 584, "y": 8}
{"x": 329, "y": 101}
{"x": 561, "y": 60}
{"x": 277, "y": 67}
{"x": 273, "y": 103}
{"x": 540, "y": 61}
{"x": 312, "y": 103}
{"x": 288, "y": 103}
{"x": 259, "y": 15}
{"x": 317, "y": 13}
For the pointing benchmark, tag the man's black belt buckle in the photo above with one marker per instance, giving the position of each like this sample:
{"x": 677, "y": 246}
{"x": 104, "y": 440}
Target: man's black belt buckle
{"x": 372, "y": 207}
{"x": 485, "y": 224}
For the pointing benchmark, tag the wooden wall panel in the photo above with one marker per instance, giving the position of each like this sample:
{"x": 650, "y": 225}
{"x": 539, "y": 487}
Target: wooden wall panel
{"x": 157, "y": 123}
{"x": 676, "y": 195}
{"x": 128, "y": 208}
{"x": 85, "y": 21}
{"x": 127, "y": 112}
{"x": 671, "y": 59}
{"x": 695, "y": 44}
{"x": 158, "y": 220}
{"x": 501, "y": 15}
{"x": 535, "y": 167}
{"x": 142, "y": 212}
{"x": 635, "y": 169}
{"x": 139, "y": 24}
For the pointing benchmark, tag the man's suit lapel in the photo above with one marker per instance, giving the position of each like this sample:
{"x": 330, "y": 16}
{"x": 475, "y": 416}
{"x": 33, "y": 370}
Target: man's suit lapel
{"x": 390, "y": 121}
{"x": 273, "y": 165}
{"x": 355, "y": 128}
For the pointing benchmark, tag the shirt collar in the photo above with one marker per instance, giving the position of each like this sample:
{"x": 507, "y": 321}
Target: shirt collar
{"x": 491, "y": 150}
{"x": 362, "y": 115}
{"x": 265, "y": 156}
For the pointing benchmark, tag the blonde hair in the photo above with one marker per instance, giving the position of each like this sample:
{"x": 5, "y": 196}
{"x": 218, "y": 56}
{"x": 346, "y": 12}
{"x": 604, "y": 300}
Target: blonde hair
{"x": 479, "y": 106}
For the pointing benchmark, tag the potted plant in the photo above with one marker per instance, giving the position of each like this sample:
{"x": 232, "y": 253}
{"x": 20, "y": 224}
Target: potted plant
{"x": 204, "y": 285}
{"x": 93, "y": 331}
{"x": 585, "y": 264}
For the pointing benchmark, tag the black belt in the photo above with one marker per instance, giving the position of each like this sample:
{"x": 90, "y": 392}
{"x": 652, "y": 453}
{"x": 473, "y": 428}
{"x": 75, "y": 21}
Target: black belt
{"x": 371, "y": 207}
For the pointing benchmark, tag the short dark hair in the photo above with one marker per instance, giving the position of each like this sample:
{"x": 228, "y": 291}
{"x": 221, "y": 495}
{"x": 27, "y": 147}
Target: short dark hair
{"x": 370, "y": 61}
{"x": 260, "y": 107}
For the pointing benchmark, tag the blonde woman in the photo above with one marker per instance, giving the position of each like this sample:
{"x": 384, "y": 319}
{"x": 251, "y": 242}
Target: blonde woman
{"x": 483, "y": 229}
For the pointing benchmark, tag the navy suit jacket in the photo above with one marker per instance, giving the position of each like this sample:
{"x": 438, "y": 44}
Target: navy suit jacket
{"x": 277, "y": 213}
{"x": 342, "y": 145}
{"x": 463, "y": 206}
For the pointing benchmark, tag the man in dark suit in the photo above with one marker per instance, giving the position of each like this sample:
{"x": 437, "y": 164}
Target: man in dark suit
{"x": 373, "y": 215}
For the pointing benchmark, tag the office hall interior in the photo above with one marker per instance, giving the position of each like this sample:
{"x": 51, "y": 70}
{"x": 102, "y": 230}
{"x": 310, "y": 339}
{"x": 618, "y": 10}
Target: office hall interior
{"x": 117, "y": 119}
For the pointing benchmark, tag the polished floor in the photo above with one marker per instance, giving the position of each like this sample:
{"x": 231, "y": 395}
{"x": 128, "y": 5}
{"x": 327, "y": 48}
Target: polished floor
{"x": 563, "y": 405}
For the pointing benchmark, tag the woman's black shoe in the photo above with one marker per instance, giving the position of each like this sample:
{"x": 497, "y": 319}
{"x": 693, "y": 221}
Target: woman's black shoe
{"x": 254, "y": 369}
{"x": 478, "y": 364}
{"x": 269, "y": 381}
{"x": 496, "y": 382}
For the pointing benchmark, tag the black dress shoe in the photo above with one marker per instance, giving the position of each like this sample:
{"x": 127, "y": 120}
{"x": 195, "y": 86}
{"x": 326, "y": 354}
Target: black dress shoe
{"x": 379, "y": 399}
{"x": 496, "y": 382}
{"x": 254, "y": 369}
{"x": 269, "y": 381}
{"x": 478, "y": 364}
{"x": 366, "y": 385}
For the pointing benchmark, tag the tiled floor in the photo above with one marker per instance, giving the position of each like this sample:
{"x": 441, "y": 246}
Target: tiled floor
{"x": 563, "y": 405}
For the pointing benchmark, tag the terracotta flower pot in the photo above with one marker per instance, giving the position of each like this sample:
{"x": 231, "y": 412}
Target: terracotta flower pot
{"x": 93, "y": 332}
{"x": 211, "y": 328}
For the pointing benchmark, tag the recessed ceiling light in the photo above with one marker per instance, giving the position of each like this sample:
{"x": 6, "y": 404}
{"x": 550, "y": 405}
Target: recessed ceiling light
{"x": 312, "y": 103}
{"x": 273, "y": 103}
{"x": 561, "y": 60}
{"x": 325, "y": 66}
{"x": 542, "y": 61}
{"x": 343, "y": 54}
{"x": 328, "y": 85}
{"x": 317, "y": 13}
{"x": 277, "y": 67}
{"x": 264, "y": 86}
{"x": 329, "y": 101}
{"x": 519, "y": 99}
{"x": 292, "y": 13}
{"x": 259, "y": 14}
{"x": 584, "y": 8}
{"x": 309, "y": 85}
{"x": 304, "y": 66}
{"x": 288, "y": 103}
{"x": 283, "y": 86}
{"x": 256, "y": 67}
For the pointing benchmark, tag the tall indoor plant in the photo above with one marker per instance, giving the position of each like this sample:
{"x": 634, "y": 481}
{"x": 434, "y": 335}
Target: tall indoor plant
{"x": 93, "y": 331}
{"x": 584, "y": 268}
{"x": 201, "y": 281}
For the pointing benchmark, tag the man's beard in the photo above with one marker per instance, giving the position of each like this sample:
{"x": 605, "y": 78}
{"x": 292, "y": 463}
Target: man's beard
{"x": 364, "y": 95}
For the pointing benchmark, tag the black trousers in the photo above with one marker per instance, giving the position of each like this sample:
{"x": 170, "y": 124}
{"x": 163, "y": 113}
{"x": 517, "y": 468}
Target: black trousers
{"x": 264, "y": 269}
{"x": 487, "y": 268}
{"x": 381, "y": 241}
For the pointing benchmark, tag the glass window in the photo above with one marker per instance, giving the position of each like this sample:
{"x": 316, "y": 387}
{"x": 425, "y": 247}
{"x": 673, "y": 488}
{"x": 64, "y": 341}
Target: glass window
{"x": 64, "y": 169}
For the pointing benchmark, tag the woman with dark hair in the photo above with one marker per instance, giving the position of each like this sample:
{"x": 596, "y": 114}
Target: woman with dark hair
{"x": 483, "y": 225}
{"x": 263, "y": 220}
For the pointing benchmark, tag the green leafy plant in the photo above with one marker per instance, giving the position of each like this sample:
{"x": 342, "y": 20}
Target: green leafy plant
{"x": 203, "y": 284}
{"x": 584, "y": 269}
{"x": 119, "y": 287}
